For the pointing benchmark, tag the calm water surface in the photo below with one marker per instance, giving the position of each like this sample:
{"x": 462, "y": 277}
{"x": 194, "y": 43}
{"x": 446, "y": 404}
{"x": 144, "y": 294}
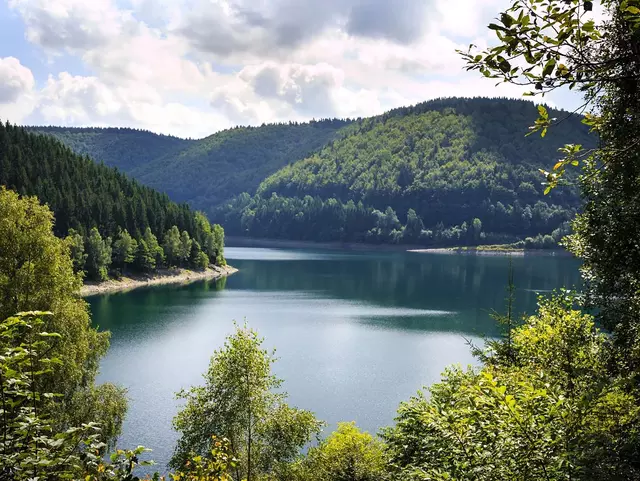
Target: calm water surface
{"x": 356, "y": 333}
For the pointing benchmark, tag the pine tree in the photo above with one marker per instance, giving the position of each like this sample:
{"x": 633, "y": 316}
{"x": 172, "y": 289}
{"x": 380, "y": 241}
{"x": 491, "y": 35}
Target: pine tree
{"x": 124, "y": 250}
{"x": 185, "y": 247}
{"x": 98, "y": 256}
{"x": 76, "y": 250}
{"x": 144, "y": 260}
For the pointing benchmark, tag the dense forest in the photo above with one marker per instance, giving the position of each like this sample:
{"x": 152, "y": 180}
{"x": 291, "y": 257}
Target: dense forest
{"x": 113, "y": 223}
{"x": 202, "y": 172}
{"x": 445, "y": 172}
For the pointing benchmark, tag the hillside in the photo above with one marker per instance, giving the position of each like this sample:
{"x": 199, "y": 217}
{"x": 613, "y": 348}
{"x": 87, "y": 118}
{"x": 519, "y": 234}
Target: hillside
{"x": 123, "y": 148}
{"x": 97, "y": 204}
{"x": 443, "y": 172}
{"x": 202, "y": 172}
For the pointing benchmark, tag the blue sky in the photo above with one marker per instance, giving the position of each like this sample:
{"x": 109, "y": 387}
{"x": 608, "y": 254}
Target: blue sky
{"x": 193, "y": 67}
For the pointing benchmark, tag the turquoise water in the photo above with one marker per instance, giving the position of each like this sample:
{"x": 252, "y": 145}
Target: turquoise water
{"x": 356, "y": 333}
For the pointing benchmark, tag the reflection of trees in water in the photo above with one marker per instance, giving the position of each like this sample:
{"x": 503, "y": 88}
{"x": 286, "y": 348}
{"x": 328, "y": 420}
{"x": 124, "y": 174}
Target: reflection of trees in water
{"x": 112, "y": 310}
{"x": 444, "y": 282}
{"x": 469, "y": 286}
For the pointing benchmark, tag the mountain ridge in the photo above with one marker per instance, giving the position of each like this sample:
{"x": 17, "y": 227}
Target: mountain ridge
{"x": 441, "y": 158}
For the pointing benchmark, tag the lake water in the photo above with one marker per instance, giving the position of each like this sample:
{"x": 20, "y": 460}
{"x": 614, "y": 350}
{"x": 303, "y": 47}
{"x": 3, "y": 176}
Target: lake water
{"x": 356, "y": 332}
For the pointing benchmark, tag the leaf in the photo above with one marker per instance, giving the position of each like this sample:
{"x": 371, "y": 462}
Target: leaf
{"x": 549, "y": 66}
{"x": 543, "y": 112}
{"x": 507, "y": 19}
{"x": 633, "y": 10}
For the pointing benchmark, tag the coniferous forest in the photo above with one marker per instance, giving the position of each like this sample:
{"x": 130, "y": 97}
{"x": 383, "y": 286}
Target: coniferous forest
{"x": 113, "y": 223}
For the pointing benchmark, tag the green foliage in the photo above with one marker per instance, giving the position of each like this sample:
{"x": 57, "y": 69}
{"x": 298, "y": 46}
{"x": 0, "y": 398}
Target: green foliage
{"x": 198, "y": 259}
{"x": 545, "y": 45}
{"x": 85, "y": 195}
{"x": 239, "y": 402}
{"x": 558, "y": 43}
{"x": 313, "y": 219}
{"x": 210, "y": 238}
{"x": 154, "y": 248}
{"x": 172, "y": 247}
{"x": 144, "y": 260}
{"x": 36, "y": 273}
{"x": 203, "y": 172}
{"x": 449, "y": 161}
{"x": 98, "y": 256}
{"x": 185, "y": 247}
{"x": 82, "y": 193}
{"x": 348, "y": 454}
{"x": 76, "y": 250}
{"x": 216, "y": 466}
{"x": 31, "y": 445}
{"x": 551, "y": 412}
{"x": 124, "y": 250}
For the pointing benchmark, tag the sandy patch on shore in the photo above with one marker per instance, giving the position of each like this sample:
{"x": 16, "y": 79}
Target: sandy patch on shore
{"x": 163, "y": 276}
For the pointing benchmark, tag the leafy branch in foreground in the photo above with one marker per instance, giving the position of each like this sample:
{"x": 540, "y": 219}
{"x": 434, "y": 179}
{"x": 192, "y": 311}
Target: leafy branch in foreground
{"x": 551, "y": 44}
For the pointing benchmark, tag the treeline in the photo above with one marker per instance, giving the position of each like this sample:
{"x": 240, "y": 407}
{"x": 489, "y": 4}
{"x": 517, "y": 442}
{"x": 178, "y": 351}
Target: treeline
{"x": 113, "y": 223}
{"x": 331, "y": 220}
{"x": 99, "y": 258}
{"x": 203, "y": 172}
{"x": 450, "y": 163}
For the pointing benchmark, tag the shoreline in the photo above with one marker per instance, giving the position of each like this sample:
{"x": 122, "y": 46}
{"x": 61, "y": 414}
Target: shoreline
{"x": 234, "y": 241}
{"x": 479, "y": 251}
{"x": 162, "y": 277}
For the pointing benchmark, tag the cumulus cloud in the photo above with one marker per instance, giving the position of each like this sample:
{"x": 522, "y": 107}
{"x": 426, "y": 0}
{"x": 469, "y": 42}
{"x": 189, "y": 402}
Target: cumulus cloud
{"x": 15, "y": 80}
{"x": 400, "y": 20}
{"x": 17, "y": 96}
{"x": 190, "y": 67}
{"x": 308, "y": 89}
{"x": 276, "y": 27}
{"x": 75, "y": 100}
{"x": 72, "y": 24}
{"x": 78, "y": 100}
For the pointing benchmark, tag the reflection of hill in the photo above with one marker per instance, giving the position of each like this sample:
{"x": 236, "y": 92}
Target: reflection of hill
{"x": 401, "y": 291}
{"x": 441, "y": 282}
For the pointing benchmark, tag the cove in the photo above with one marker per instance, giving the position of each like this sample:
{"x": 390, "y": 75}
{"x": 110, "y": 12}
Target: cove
{"x": 356, "y": 332}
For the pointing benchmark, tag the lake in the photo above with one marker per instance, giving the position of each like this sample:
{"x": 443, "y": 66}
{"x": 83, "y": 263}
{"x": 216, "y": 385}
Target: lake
{"x": 355, "y": 332}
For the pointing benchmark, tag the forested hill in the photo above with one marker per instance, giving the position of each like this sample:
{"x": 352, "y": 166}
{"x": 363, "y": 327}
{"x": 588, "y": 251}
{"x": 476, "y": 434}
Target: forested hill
{"x": 202, "y": 172}
{"x": 449, "y": 171}
{"x": 98, "y": 204}
{"x": 443, "y": 172}
{"x": 123, "y": 148}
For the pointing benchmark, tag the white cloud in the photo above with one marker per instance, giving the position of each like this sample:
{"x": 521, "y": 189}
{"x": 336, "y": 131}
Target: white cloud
{"x": 77, "y": 100}
{"x": 307, "y": 89}
{"x": 16, "y": 90}
{"x": 277, "y": 27}
{"x": 72, "y": 24}
{"x": 191, "y": 67}
{"x": 15, "y": 80}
